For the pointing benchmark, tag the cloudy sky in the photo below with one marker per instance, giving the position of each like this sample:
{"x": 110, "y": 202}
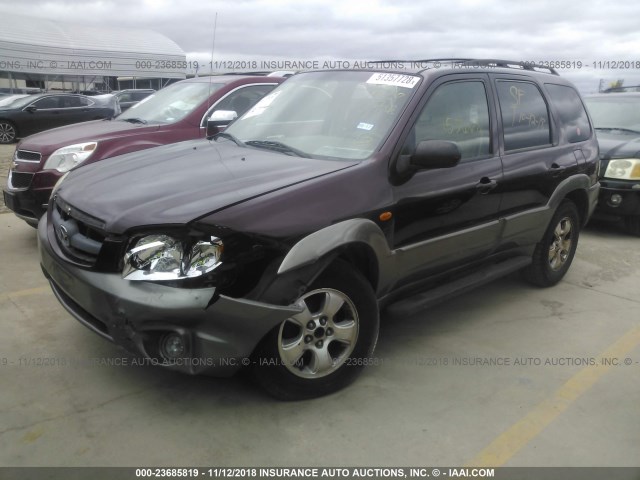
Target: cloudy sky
{"x": 598, "y": 34}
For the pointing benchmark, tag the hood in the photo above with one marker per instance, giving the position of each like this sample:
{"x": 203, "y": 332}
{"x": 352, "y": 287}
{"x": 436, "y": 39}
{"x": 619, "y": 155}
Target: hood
{"x": 618, "y": 145}
{"x": 178, "y": 183}
{"x": 50, "y": 140}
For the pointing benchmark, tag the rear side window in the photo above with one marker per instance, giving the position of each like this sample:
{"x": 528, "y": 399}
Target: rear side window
{"x": 525, "y": 117}
{"x": 71, "y": 102}
{"x": 571, "y": 112}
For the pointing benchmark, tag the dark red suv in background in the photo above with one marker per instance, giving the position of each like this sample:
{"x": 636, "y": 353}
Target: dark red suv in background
{"x": 176, "y": 113}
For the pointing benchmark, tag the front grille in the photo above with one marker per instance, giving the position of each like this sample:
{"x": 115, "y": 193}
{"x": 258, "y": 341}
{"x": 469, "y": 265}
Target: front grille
{"x": 79, "y": 235}
{"x": 19, "y": 179}
{"x": 28, "y": 156}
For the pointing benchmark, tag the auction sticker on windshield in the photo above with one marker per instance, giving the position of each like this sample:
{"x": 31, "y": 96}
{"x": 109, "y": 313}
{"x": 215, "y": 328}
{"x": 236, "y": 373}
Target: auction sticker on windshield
{"x": 395, "y": 79}
{"x": 260, "y": 107}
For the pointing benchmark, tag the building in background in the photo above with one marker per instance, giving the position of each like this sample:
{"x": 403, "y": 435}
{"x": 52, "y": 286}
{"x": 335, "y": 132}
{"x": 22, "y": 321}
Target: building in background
{"x": 51, "y": 55}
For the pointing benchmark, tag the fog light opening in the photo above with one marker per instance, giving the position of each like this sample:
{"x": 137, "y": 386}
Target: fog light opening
{"x": 172, "y": 346}
{"x": 615, "y": 200}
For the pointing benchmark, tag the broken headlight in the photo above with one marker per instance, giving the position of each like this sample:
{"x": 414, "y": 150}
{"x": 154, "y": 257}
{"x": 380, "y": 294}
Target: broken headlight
{"x": 162, "y": 257}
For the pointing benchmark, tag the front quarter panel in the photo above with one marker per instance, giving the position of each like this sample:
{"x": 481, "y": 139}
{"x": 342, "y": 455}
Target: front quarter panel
{"x": 356, "y": 231}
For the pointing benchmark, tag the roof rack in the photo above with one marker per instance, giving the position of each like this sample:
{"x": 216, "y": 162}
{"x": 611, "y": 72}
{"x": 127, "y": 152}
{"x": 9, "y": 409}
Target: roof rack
{"x": 488, "y": 62}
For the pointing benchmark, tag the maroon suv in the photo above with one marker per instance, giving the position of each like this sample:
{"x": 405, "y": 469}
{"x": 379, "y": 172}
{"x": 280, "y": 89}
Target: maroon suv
{"x": 176, "y": 113}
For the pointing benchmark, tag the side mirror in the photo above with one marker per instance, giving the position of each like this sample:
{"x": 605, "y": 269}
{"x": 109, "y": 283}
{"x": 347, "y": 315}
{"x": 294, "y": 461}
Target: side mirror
{"x": 31, "y": 109}
{"x": 432, "y": 154}
{"x": 220, "y": 119}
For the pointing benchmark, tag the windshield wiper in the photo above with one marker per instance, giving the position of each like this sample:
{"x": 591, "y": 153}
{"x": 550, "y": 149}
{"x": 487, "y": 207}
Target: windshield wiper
{"x": 277, "y": 146}
{"x": 229, "y": 136}
{"x": 628, "y": 130}
{"x": 134, "y": 120}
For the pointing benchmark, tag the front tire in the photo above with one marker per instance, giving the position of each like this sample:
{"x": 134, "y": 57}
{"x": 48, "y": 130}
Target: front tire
{"x": 554, "y": 253}
{"x": 323, "y": 348}
{"x": 8, "y": 132}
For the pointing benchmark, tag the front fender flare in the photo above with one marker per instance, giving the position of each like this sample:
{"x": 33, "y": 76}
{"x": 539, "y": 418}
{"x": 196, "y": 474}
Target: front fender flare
{"x": 317, "y": 245}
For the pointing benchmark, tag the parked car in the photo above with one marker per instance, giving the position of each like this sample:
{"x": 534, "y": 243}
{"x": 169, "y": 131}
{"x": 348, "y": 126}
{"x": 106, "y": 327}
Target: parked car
{"x": 616, "y": 117}
{"x": 273, "y": 244}
{"x": 175, "y": 113}
{"x": 128, "y": 98}
{"x": 39, "y": 112}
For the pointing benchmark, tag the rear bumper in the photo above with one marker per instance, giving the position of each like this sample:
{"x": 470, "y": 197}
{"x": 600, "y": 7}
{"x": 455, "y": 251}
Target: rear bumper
{"x": 219, "y": 333}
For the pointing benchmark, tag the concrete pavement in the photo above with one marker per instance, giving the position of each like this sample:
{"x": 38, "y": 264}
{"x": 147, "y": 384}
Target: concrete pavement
{"x": 506, "y": 375}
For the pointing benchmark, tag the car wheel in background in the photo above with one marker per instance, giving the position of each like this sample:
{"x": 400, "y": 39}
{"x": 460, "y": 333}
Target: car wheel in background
{"x": 8, "y": 132}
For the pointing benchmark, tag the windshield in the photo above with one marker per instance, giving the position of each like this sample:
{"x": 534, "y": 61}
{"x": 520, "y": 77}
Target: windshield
{"x": 20, "y": 102}
{"x": 615, "y": 112}
{"x": 335, "y": 115}
{"x": 170, "y": 104}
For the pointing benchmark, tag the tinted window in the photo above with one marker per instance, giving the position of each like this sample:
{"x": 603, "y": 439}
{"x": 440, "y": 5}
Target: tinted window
{"x": 456, "y": 112}
{"x": 525, "y": 117}
{"x": 137, "y": 96}
{"x": 47, "y": 102}
{"x": 571, "y": 111}
{"x": 71, "y": 102}
{"x": 85, "y": 102}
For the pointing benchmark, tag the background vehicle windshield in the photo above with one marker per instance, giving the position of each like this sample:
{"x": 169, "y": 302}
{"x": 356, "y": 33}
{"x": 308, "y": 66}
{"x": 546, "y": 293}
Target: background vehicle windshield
{"x": 615, "y": 112}
{"x": 338, "y": 115}
{"x": 21, "y": 102}
{"x": 172, "y": 103}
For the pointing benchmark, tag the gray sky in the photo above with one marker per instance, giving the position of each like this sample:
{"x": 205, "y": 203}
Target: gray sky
{"x": 256, "y": 30}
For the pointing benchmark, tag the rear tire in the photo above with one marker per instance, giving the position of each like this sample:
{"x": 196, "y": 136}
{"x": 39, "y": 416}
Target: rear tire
{"x": 554, "y": 253}
{"x": 325, "y": 347}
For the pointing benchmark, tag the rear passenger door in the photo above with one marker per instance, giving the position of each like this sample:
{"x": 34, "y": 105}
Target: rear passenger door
{"x": 445, "y": 216}
{"x": 534, "y": 163}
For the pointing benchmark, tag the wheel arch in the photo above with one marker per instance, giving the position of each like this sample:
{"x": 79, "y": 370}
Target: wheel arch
{"x": 574, "y": 188}
{"x": 359, "y": 242}
{"x": 581, "y": 201}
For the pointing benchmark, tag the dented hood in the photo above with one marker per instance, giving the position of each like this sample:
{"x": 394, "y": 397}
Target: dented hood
{"x": 178, "y": 183}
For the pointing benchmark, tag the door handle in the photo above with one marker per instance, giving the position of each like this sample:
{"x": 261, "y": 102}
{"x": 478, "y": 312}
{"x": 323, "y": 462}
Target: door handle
{"x": 485, "y": 185}
{"x": 556, "y": 169}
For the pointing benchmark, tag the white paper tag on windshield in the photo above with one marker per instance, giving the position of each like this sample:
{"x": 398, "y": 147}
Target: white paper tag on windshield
{"x": 260, "y": 107}
{"x": 395, "y": 79}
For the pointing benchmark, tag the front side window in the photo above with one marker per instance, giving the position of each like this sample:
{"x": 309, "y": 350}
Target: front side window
{"x": 47, "y": 102}
{"x": 456, "y": 112}
{"x": 525, "y": 117}
{"x": 240, "y": 100}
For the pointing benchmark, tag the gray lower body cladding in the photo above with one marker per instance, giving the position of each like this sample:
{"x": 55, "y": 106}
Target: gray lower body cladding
{"x": 219, "y": 333}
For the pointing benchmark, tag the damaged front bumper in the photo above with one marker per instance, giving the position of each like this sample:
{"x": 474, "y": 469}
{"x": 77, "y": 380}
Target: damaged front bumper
{"x": 218, "y": 333}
